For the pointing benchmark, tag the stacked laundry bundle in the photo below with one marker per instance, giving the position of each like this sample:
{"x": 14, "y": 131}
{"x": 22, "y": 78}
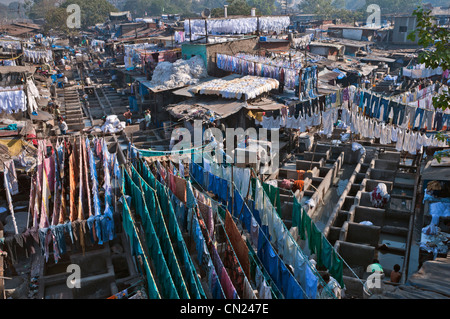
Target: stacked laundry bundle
{"x": 112, "y": 125}
{"x": 180, "y": 73}
{"x": 247, "y": 87}
{"x": 12, "y": 99}
{"x": 38, "y": 56}
{"x": 236, "y": 25}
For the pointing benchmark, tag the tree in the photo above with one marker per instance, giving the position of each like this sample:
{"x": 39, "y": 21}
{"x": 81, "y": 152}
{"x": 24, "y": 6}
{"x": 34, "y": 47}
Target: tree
{"x": 56, "y": 19}
{"x": 395, "y": 6}
{"x": 329, "y": 9}
{"x": 235, "y": 7}
{"x": 38, "y": 9}
{"x": 322, "y": 8}
{"x": 436, "y": 42}
{"x": 263, "y": 7}
{"x": 157, "y": 7}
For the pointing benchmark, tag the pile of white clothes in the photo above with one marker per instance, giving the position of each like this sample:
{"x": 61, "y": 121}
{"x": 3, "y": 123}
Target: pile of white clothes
{"x": 302, "y": 42}
{"x": 13, "y": 99}
{"x": 236, "y": 26}
{"x": 38, "y": 56}
{"x": 112, "y": 124}
{"x": 247, "y": 87}
{"x": 180, "y": 73}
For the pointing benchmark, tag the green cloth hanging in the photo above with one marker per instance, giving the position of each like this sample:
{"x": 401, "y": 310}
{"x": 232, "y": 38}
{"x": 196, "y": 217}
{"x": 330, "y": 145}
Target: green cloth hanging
{"x": 296, "y": 215}
{"x": 336, "y": 269}
{"x": 152, "y": 290}
{"x": 192, "y": 282}
{"x": 305, "y": 228}
{"x": 222, "y": 212}
{"x": 315, "y": 242}
{"x": 274, "y": 196}
{"x": 167, "y": 283}
{"x": 327, "y": 250}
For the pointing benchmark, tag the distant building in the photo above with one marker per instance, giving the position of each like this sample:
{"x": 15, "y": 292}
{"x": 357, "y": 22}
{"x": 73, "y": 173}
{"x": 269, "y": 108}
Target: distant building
{"x": 122, "y": 16}
{"x": 402, "y": 27}
{"x": 331, "y": 51}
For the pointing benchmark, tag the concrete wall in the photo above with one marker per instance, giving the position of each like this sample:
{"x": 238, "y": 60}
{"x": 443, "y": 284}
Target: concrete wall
{"x": 307, "y": 165}
{"x": 281, "y": 45}
{"x": 350, "y": 156}
{"x": 402, "y": 27}
{"x": 360, "y": 234}
{"x": 355, "y": 254}
{"x": 188, "y": 50}
{"x": 325, "y": 184}
{"x": 386, "y": 164}
{"x": 391, "y": 156}
{"x": 375, "y": 215}
{"x": 339, "y": 204}
{"x": 381, "y": 174}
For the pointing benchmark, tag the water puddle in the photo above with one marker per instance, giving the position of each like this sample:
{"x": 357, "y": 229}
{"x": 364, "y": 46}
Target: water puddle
{"x": 393, "y": 241}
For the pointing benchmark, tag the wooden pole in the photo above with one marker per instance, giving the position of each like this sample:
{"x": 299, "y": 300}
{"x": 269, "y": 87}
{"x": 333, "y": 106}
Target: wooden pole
{"x": 190, "y": 32}
{"x": 206, "y": 31}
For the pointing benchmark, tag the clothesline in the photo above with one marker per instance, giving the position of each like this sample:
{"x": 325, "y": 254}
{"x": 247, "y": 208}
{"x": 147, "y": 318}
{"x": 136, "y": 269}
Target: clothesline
{"x": 299, "y": 251}
{"x": 337, "y": 253}
{"x": 149, "y": 274}
{"x": 259, "y": 227}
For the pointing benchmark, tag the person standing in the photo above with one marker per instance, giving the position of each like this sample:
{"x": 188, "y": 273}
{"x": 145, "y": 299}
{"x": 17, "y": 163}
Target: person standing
{"x": 148, "y": 118}
{"x": 63, "y": 126}
{"x": 127, "y": 116}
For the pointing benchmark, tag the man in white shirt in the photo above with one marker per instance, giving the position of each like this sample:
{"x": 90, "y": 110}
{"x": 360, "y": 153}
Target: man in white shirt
{"x": 331, "y": 285}
{"x": 63, "y": 126}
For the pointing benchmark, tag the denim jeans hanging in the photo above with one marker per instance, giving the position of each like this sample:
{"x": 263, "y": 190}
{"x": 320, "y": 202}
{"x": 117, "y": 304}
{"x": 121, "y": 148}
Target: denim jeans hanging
{"x": 419, "y": 112}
